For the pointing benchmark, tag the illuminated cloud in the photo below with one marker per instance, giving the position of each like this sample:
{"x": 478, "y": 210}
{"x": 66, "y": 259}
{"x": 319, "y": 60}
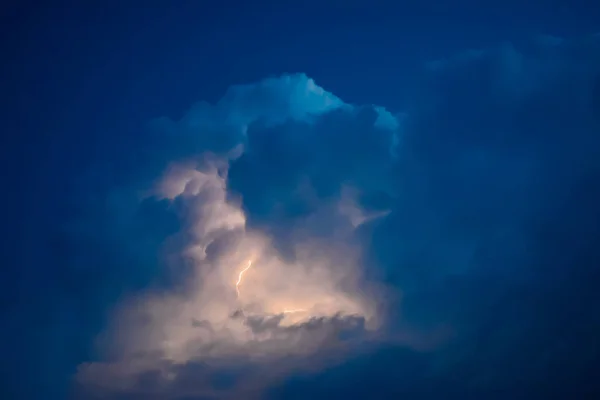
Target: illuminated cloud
{"x": 242, "y": 298}
{"x": 290, "y": 201}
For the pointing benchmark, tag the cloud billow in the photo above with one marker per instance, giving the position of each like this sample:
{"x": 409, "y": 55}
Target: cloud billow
{"x": 242, "y": 297}
{"x": 314, "y": 232}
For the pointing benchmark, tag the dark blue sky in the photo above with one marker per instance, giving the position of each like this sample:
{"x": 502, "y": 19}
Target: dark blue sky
{"x": 496, "y": 238}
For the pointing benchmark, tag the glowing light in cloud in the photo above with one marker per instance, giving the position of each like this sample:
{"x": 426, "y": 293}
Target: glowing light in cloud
{"x": 219, "y": 316}
{"x": 295, "y": 310}
{"x": 241, "y": 298}
{"x": 240, "y": 276}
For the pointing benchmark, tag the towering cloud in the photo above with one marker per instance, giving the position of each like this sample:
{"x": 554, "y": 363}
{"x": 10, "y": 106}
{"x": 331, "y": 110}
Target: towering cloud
{"x": 284, "y": 289}
{"x": 303, "y": 220}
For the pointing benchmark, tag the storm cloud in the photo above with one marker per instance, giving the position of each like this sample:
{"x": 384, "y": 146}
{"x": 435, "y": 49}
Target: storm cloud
{"x": 283, "y": 243}
{"x": 269, "y": 255}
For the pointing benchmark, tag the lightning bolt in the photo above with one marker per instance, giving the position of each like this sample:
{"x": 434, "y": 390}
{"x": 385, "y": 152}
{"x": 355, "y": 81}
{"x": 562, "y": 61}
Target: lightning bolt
{"x": 294, "y": 310}
{"x": 239, "y": 282}
{"x": 240, "y": 276}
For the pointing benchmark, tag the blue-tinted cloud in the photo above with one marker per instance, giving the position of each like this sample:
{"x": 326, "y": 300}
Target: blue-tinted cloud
{"x": 269, "y": 257}
{"x": 466, "y": 224}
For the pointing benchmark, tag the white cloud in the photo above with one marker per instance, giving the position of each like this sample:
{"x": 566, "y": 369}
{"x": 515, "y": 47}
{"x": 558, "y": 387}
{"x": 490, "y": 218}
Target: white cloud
{"x": 242, "y": 299}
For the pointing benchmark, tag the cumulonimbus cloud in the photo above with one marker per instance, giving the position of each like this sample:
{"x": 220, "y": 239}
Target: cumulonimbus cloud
{"x": 276, "y": 185}
{"x": 242, "y": 299}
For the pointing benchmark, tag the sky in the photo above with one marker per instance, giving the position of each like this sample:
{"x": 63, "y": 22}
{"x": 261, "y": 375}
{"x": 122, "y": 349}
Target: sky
{"x": 289, "y": 201}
